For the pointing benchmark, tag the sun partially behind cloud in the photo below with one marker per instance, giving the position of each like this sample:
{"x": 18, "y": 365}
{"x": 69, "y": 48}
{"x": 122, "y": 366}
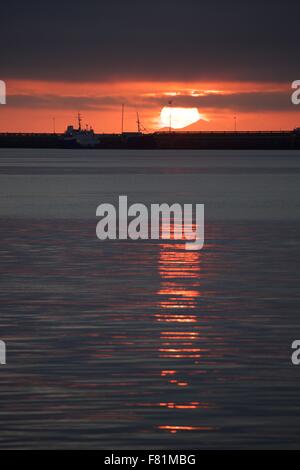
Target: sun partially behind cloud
{"x": 178, "y": 118}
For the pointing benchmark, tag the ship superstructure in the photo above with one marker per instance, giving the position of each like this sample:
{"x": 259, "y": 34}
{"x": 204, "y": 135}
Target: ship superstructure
{"x": 81, "y": 137}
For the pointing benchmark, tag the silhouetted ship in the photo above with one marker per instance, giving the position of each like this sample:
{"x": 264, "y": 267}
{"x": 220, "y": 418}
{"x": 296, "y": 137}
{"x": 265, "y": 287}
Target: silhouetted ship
{"x": 79, "y": 138}
{"x": 84, "y": 138}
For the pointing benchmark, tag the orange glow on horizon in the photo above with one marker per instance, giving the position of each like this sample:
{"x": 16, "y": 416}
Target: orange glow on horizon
{"x": 36, "y": 103}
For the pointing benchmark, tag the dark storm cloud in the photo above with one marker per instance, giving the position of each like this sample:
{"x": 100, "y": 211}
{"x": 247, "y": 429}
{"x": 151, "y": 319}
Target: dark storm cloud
{"x": 64, "y": 102}
{"x": 242, "y": 102}
{"x": 246, "y": 102}
{"x": 155, "y": 40}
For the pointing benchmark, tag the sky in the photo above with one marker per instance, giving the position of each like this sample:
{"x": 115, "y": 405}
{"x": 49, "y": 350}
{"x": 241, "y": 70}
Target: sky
{"x": 234, "y": 61}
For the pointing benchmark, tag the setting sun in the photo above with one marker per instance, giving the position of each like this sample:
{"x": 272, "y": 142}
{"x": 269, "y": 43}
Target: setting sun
{"x": 177, "y": 118}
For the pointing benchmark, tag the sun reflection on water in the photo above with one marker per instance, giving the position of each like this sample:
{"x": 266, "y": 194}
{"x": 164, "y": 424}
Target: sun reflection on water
{"x": 180, "y": 335}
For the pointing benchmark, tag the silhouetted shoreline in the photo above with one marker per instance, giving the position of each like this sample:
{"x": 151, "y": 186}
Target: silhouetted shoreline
{"x": 252, "y": 140}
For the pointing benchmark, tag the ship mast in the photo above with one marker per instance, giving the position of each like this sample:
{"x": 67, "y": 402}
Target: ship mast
{"x": 79, "y": 121}
{"x": 138, "y": 122}
{"x": 123, "y": 118}
{"x": 170, "y": 124}
{"x": 141, "y": 128}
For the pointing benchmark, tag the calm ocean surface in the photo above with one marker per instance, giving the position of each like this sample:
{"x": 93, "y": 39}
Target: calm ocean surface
{"x": 143, "y": 345}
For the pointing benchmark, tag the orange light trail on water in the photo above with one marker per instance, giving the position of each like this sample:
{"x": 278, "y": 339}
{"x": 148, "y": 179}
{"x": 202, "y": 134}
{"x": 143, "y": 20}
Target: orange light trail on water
{"x": 175, "y": 429}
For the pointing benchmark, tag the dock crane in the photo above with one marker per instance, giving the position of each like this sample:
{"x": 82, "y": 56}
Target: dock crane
{"x": 140, "y": 126}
